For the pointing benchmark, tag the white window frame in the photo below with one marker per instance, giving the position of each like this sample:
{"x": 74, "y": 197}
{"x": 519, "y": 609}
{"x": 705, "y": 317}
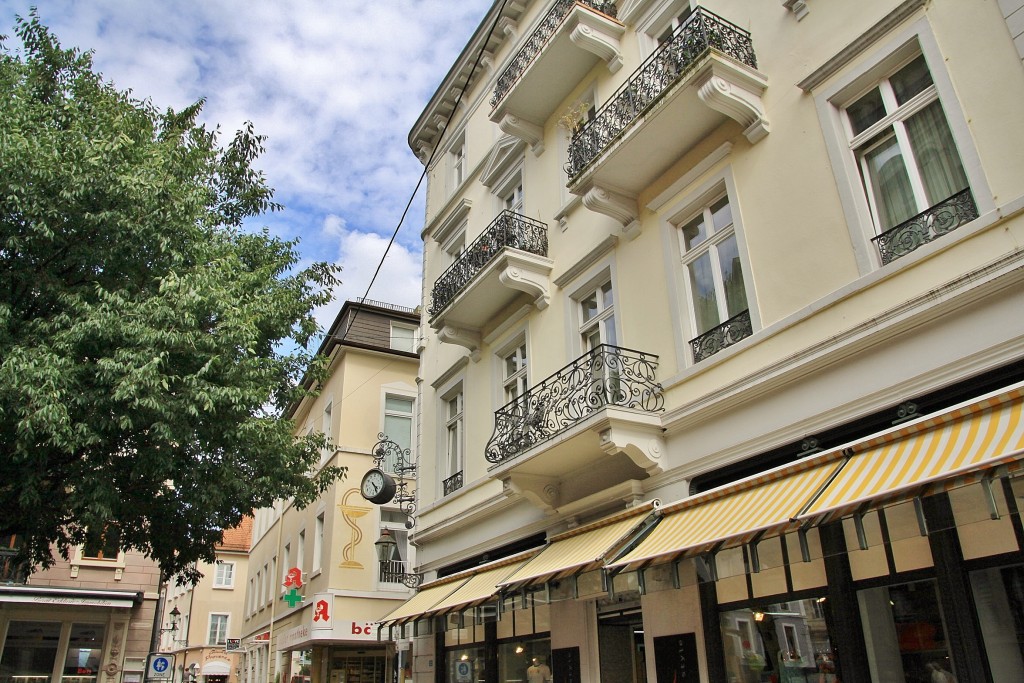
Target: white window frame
{"x": 450, "y": 466}
{"x": 300, "y": 550}
{"x": 510, "y": 191}
{"x": 224, "y": 567}
{"x": 457, "y": 163}
{"x": 515, "y": 384}
{"x": 404, "y": 395}
{"x": 843, "y": 89}
{"x": 413, "y": 336}
{"x": 653, "y": 22}
{"x": 326, "y": 421}
{"x": 604, "y": 320}
{"x": 210, "y": 636}
{"x": 717, "y": 185}
{"x": 400, "y": 534}
{"x": 318, "y": 542}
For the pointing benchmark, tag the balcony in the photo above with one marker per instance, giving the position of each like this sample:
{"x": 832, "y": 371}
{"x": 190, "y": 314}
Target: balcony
{"x": 572, "y": 37}
{"x": 944, "y": 217}
{"x": 723, "y": 336}
{"x": 703, "y": 76}
{"x": 606, "y": 403}
{"x": 452, "y": 483}
{"x": 391, "y": 571}
{"x": 509, "y": 258}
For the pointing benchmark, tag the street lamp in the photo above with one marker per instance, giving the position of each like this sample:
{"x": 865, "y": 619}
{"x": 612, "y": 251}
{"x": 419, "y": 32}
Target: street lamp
{"x": 385, "y": 546}
{"x": 175, "y": 613}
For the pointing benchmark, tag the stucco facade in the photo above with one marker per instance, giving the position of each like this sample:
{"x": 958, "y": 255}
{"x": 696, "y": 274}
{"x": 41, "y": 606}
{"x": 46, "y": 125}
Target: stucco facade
{"x": 669, "y": 248}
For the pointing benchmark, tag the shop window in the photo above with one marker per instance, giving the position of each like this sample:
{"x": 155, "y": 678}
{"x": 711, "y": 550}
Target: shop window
{"x": 465, "y": 664}
{"x": 30, "y": 651}
{"x": 620, "y": 639}
{"x": 525, "y": 660}
{"x": 903, "y": 632}
{"x": 787, "y": 641}
{"x": 85, "y": 646}
{"x": 999, "y": 601}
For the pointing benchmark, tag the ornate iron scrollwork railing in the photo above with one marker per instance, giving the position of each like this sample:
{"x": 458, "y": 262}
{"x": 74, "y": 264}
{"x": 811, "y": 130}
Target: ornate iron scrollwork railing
{"x": 538, "y": 39}
{"x": 509, "y": 229}
{"x": 701, "y": 32}
{"x": 391, "y": 571}
{"x": 606, "y": 376}
{"x": 717, "y": 338}
{"x": 946, "y": 216}
{"x": 452, "y": 483}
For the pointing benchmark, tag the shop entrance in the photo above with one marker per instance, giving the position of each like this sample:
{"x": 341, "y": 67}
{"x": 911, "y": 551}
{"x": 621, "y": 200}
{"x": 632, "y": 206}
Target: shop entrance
{"x": 620, "y": 641}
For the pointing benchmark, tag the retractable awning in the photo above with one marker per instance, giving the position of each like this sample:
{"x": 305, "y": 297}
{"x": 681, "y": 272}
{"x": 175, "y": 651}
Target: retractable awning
{"x": 421, "y": 603}
{"x": 581, "y": 549}
{"x": 736, "y": 513}
{"x": 969, "y": 438}
{"x": 481, "y": 587}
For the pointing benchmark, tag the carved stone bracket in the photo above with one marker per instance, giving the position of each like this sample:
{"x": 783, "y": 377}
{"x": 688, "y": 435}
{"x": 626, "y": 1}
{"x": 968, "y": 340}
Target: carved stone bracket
{"x": 621, "y": 207}
{"x": 641, "y": 441}
{"x": 461, "y": 336}
{"x": 598, "y": 35}
{"x": 527, "y": 131}
{"x": 737, "y": 93}
{"x": 530, "y": 274}
{"x": 541, "y": 491}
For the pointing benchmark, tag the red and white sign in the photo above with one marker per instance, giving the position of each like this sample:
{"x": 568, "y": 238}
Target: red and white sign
{"x": 323, "y": 612}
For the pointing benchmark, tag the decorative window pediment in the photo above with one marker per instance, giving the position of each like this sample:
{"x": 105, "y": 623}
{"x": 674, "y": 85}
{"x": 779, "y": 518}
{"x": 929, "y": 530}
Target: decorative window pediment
{"x": 506, "y": 152}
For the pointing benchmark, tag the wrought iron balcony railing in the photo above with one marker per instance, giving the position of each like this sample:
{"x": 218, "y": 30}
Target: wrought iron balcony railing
{"x": 701, "y": 32}
{"x": 452, "y": 483}
{"x": 538, "y": 39}
{"x": 509, "y": 229}
{"x": 717, "y": 338}
{"x": 946, "y": 216}
{"x": 606, "y": 376}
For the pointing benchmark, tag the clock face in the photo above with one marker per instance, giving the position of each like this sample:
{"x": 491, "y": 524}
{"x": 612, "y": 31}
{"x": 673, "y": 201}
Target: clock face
{"x": 377, "y": 487}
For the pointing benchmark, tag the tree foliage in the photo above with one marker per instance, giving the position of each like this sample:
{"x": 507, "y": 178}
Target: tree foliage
{"x": 148, "y": 343}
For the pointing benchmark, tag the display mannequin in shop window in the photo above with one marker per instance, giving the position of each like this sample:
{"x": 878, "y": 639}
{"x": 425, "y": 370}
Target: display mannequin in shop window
{"x": 538, "y": 672}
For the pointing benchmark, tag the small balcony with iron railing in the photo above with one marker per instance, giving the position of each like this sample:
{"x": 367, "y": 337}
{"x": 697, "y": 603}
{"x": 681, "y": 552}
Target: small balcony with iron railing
{"x": 569, "y": 40}
{"x": 391, "y": 571}
{"x": 605, "y": 404}
{"x": 944, "y": 217}
{"x": 704, "y": 75}
{"x": 506, "y": 260}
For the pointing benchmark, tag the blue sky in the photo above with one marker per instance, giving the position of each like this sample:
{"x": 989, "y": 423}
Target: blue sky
{"x": 335, "y": 86}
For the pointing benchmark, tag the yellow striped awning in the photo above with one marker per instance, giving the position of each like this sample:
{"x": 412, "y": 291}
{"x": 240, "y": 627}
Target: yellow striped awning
{"x": 732, "y": 514}
{"x": 932, "y": 450}
{"x": 421, "y": 603}
{"x": 581, "y": 549}
{"x": 481, "y": 587}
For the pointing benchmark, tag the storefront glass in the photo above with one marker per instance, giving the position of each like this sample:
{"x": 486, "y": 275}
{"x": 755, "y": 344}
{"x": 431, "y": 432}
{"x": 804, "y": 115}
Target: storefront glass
{"x": 352, "y": 668}
{"x": 903, "y": 632}
{"x": 782, "y": 643}
{"x": 999, "y": 599}
{"x": 30, "y": 651}
{"x": 85, "y": 645}
{"x": 464, "y": 664}
{"x": 525, "y": 661}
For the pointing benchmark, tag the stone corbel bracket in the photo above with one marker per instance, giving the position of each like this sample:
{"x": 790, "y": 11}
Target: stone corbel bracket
{"x": 621, "y": 207}
{"x": 598, "y": 35}
{"x": 527, "y": 131}
{"x": 637, "y": 437}
{"x": 528, "y": 273}
{"x": 736, "y": 92}
{"x": 541, "y": 491}
{"x": 461, "y": 336}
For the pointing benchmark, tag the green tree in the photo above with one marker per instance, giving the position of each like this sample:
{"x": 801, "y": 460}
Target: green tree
{"x": 148, "y": 344}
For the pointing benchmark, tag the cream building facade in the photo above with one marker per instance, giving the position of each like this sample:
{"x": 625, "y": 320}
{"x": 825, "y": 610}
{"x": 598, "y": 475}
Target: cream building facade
{"x": 201, "y": 624}
{"x": 723, "y": 345}
{"x": 315, "y": 586}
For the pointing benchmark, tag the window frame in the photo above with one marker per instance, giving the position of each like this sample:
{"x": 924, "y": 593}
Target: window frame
{"x": 218, "y": 582}
{"x": 210, "y": 625}
{"x": 413, "y": 337}
{"x": 520, "y": 378}
{"x": 450, "y": 466}
{"x": 457, "y": 164}
{"x": 400, "y": 533}
{"x": 840, "y": 90}
{"x": 603, "y": 321}
{"x": 402, "y": 394}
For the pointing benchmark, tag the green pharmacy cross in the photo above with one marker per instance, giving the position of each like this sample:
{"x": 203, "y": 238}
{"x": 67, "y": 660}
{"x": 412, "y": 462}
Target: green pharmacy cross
{"x": 293, "y": 597}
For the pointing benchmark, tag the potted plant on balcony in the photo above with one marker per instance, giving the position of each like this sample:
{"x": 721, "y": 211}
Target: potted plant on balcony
{"x": 575, "y": 117}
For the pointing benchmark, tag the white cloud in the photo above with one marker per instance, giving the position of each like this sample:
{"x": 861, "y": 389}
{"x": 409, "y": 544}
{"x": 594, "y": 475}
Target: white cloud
{"x": 334, "y": 86}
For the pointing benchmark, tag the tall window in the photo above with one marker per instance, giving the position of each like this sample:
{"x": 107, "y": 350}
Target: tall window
{"x": 403, "y": 337}
{"x": 905, "y": 151}
{"x": 218, "y": 629}
{"x": 512, "y": 198}
{"x": 326, "y": 425}
{"x": 391, "y": 567}
{"x": 300, "y": 550}
{"x": 712, "y": 262}
{"x": 318, "y": 543}
{"x": 454, "y": 432}
{"x": 674, "y": 24}
{"x": 514, "y": 369}
{"x": 458, "y": 161}
{"x": 102, "y": 544}
{"x": 398, "y": 412}
{"x": 597, "y": 318}
{"x": 224, "y": 575}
